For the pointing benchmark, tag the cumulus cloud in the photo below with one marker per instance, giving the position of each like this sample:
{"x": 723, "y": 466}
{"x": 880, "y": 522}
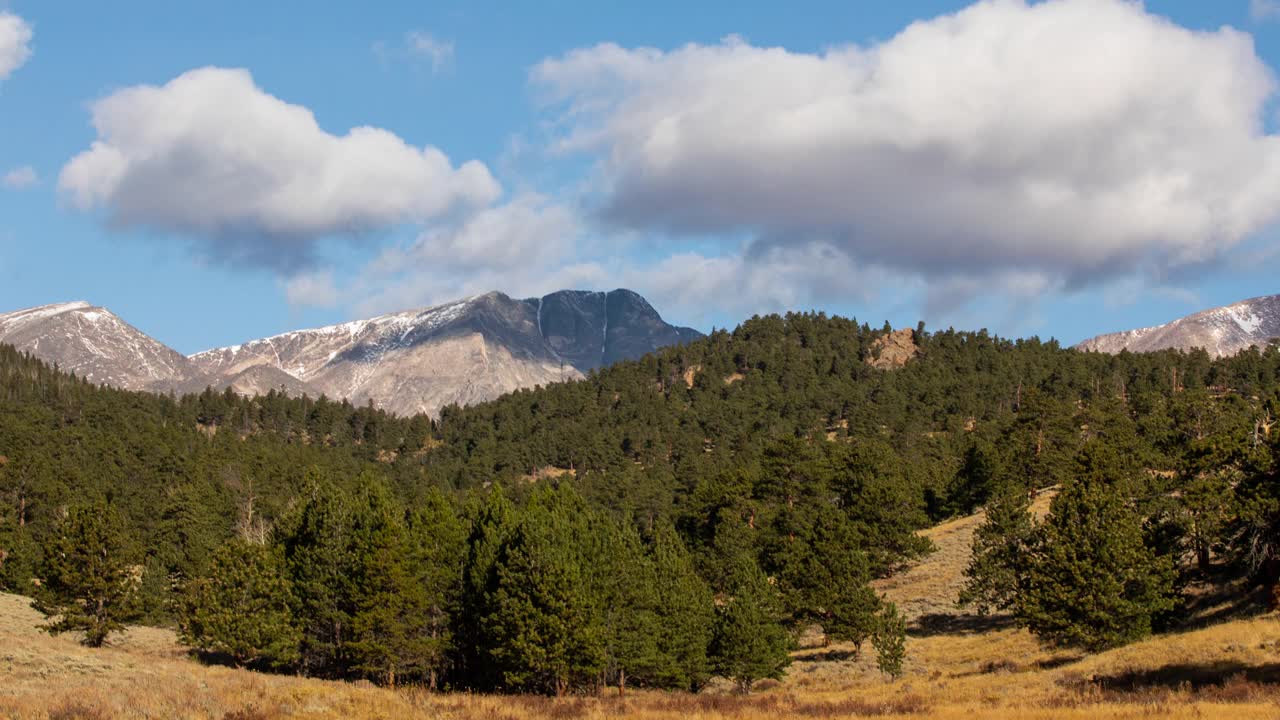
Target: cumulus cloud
{"x": 20, "y": 178}
{"x": 525, "y": 246}
{"x": 1047, "y": 144}
{"x": 697, "y": 285}
{"x": 312, "y": 289}
{"x": 210, "y": 155}
{"x": 15, "y": 43}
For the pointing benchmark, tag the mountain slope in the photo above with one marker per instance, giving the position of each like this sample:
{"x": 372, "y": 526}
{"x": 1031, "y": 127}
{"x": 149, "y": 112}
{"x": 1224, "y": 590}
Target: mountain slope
{"x": 408, "y": 362}
{"x": 1221, "y": 331}
{"x": 96, "y": 345}
{"x": 461, "y": 352}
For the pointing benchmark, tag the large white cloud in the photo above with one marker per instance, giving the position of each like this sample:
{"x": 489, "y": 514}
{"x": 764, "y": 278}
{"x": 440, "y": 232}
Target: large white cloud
{"x": 15, "y": 43}
{"x": 213, "y": 156}
{"x": 1062, "y": 140}
{"x": 528, "y": 245}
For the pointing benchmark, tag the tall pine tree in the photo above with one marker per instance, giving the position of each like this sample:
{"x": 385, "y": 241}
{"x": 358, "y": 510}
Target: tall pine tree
{"x": 749, "y": 642}
{"x": 686, "y": 614}
{"x": 242, "y": 607}
{"x": 89, "y": 579}
{"x": 1092, "y": 582}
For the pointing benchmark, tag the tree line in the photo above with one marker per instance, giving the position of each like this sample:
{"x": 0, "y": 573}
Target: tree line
{"x": 549, "y": 597}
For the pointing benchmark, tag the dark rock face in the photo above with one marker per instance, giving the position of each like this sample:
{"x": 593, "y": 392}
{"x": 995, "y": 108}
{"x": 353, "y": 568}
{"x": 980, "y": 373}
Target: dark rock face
{"x": 414, "y": 361}
{"x": 636, "y": 329}
{"x": 590, "y": 330}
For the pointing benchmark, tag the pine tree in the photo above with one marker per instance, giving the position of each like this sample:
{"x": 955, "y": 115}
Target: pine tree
{"x": 749, "y": 642}
{"x": 491, "y": 527}
{"x": 823, "y": 575}
{"x": 890, "y": 641}
{"x": 437, "y": 538}
{"x": 1093, "y": 583}
{"x": 686, "y": 614}
{"x": 242, "y": 607}
{"x": 388, "y": 635}
{"x": 317, "y": 553}
{"x": 628, "y": 605}
{"x": 544, "y": 633}
{"x": 981, "y": 475}
{"x": 1001, "y": 552}
{"x": 89, "y": 580}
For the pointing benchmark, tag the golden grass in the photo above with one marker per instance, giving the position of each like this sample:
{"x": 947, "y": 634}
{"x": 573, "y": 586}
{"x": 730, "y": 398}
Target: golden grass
{"x": 932, "y": 587}
{"x": 964, "y": 672}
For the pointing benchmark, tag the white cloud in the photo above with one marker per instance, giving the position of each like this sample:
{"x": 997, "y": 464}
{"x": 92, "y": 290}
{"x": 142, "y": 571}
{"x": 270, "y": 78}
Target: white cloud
{"x": 212, "y": 156}
{"x": 312, "y": 289}
{"x": 15, "y": 43}
{"x": 528, "y": 232}
{"x": 20, "y": 178}
{"x": 525, "y": 246}
{"x": 1263, "y": 10}
{"x": 425, "y": 45}
{"x": 696, "y": 286}
{"x": 417, "y": 48}
{"x": 1048, "y": 144}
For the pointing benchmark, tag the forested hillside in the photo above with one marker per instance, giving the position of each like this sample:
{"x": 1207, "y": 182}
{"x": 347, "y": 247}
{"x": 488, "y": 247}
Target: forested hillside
{"x": 750, "y": 484}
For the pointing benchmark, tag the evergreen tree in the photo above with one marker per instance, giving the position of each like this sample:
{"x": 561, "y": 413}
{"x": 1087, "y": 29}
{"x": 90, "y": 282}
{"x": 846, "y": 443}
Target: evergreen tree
{"x": 89, "y": 579}
{"x": 685, "y": 614}
{"x": 628, "y": 604}
{"x": 317, "y": 552}
{"x": 890, "y": 641}
{"x": 389, "y": 637}
{"x": 544, "y": 633}
{"x": 242, "y": 607}
{"x": 823, "y": 576}
{"x": 1001, "y": 553}
{"x": 437, "y": 538}
{"x": 1093, "y": 583}
{"x": 749, "y": 642}
{"x": 980, "y": 476}
{"x": 491, "y": 527}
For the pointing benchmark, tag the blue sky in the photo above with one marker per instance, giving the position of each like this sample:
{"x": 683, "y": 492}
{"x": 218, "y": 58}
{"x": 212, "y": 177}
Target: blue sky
{"x": 1060, "y": 169}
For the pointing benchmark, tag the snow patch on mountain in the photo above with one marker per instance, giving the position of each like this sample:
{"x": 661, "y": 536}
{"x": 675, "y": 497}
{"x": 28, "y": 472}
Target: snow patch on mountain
{"x": 1219, "y": 331}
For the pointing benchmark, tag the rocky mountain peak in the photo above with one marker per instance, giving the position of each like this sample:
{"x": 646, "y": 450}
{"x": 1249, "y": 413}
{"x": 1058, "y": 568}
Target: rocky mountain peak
{"x": 95, "y": 344}
{"x": 1220, "y": 331}
{"x": 412, "y": 361}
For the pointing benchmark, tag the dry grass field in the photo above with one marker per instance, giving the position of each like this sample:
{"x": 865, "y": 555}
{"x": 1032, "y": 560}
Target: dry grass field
{"x": 960, "y": 666}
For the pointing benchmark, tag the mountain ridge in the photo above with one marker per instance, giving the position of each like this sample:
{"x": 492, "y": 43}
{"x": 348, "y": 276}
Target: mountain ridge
{"x": 412, "y": 361}
{"x": 1220, "y": 331}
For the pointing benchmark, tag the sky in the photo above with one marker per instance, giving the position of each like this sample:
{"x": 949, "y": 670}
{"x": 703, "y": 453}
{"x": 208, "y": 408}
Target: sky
{"x": 217, "y": 172}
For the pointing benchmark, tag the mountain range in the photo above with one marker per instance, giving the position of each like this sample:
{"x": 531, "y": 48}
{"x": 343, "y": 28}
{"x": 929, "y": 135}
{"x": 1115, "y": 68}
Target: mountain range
{"x": 1220, "y": 331}
{"x": 416, "y": 361}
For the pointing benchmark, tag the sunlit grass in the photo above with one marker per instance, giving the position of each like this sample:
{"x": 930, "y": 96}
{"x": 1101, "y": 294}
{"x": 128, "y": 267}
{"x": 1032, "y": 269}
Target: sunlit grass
{"x": 963, "y": 669}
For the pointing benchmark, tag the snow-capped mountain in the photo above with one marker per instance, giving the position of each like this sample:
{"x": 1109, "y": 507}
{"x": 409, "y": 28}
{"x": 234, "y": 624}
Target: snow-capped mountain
{"x": 96, "y": 345}
{"x": 461, "y": 352}
{"x": 407, "y": 362}
{"x": 1220, "y": 331}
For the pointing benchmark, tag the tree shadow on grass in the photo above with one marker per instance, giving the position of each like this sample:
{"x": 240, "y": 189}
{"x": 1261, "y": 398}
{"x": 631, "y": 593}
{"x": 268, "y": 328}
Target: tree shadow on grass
{"x": 1195, "y": 677}
{"x": 934, "y": 624}
{"x": 827, "y": 655}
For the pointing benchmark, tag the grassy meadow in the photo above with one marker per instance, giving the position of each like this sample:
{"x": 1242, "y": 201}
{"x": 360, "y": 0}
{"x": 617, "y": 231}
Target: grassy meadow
{"x": 959, "y": 666}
